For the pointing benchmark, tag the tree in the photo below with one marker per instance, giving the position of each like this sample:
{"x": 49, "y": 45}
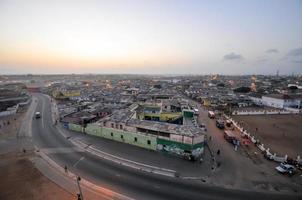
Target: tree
{"x": 293, "y": 87}
{"x": 242, "y": 90}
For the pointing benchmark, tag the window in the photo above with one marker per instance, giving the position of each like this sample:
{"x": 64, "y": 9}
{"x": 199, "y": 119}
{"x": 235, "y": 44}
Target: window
{"x": 135, "y": 139}
{"x": 122, "y": 137}
{"x": 112, "y": 125}
{"x": 121, "y": 126}
{"x": 111, "y": 134}
{"x": 148, "y": 142}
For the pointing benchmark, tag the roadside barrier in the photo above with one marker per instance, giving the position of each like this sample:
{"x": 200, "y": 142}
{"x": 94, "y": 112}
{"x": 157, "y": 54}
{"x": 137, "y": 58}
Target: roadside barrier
{"x": 260, "y": 146}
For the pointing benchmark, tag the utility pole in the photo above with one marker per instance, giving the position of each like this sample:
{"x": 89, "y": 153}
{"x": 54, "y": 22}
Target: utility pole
{"x": 80, "y": 195}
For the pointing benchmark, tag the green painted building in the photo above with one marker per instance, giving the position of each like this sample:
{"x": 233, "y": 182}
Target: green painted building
{"x": 125, "y": 126}
{"x": 137, "y": 139}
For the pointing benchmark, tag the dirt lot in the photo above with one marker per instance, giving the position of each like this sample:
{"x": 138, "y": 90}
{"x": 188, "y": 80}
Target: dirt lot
{"x": 19, "y": 177}
{"x": 21, "y": 180}
{"x": 9, "y": 125}
{"x": 281, "y": 133}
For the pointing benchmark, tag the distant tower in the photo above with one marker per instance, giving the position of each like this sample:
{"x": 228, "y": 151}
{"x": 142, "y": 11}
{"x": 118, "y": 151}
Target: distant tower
{"x": 277, "y": 74}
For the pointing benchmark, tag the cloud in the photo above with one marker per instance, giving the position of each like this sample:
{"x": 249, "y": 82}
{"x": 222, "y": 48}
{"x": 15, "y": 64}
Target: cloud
{"x": 232, "y": 56}
{"x": 295, "y": 52}
{"x": 297, "y": 61}
{"x": 272, "y": 51}
{"x": 261, "y": 60}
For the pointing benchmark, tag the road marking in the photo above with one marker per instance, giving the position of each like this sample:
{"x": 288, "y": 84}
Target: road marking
{"x": 43, "y": 108}
{"x": 75, "y": 164}
{"x": 98, "y": 190}
{"x": 156, "y": 186}
{"x": 61, "y": 150}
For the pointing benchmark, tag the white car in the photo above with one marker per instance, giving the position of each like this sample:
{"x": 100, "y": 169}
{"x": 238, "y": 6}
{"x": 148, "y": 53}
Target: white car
{"x": 38, "y": 115}
{"x": 286, "y": 169}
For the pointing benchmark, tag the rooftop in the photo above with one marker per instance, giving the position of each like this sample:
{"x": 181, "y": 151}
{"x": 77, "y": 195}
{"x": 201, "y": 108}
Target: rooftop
{"x": 165, "y": 127}
{"x": 285, "y": 96}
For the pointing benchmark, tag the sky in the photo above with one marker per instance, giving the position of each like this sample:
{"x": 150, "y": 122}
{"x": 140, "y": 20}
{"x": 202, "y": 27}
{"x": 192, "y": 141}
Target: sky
{"x": 151, "y": 37}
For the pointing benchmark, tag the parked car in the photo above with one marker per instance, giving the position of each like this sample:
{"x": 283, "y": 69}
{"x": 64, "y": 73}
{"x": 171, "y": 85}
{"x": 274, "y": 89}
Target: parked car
{"x": 286, "y": 169}
{"x": 220, "y": 123}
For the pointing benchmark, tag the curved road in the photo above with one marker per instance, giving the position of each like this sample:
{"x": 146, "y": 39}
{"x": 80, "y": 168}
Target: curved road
{"x": 130, "y": 182}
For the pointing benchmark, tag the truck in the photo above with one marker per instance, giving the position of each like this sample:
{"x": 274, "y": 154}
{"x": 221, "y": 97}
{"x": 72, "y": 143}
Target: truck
{"x": 229, "y": 136}
{"x": 38, "y": 115}
{"x": 211, "y": 114}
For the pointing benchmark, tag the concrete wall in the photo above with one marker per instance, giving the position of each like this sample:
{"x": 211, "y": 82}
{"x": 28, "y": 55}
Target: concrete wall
{"x": 179, "y": 145}
{"x": 180, "y": 148}
{"x": 169, "y": 116}
{"x": 75, "y": 127}
{"x": 123, "y": 136}
{"x": 164, "y": 116}
{"x": 141, "y": 140}
{"x": 273, "y": 102}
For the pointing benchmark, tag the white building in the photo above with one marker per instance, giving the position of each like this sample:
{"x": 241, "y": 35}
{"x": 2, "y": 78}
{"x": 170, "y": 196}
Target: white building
{"x": 279, "y": 101}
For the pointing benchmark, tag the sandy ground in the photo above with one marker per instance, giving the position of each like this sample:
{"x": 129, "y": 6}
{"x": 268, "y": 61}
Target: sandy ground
{"x": 281, "y": 133}
{"x": 19, "y": 177}
{"x": 9, "y": 125}
{"x": 21, "y": 180}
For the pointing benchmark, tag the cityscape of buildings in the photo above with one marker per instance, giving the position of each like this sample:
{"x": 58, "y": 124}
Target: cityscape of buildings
{"x": 150, "y": 100}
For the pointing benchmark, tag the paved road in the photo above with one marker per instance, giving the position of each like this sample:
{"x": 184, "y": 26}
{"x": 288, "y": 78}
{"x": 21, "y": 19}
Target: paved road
{"x": 133, "y": 183}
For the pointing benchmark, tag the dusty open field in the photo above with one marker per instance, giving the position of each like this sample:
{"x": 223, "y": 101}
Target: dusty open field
{"x": 281, "y": 133}
{"x": 10, "y": 125}
{"x": 19, "y": 179}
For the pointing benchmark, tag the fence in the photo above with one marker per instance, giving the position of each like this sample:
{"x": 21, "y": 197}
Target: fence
{"x": 260, "y": 146}
{"x": 267, "y": 112}
{"x": 10, "y": 111}
{"x": 13, "y": 110}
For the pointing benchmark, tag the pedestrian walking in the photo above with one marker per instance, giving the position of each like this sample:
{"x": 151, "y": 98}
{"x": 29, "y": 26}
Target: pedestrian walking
{"x": 218, "y": 152}
{"x": 65, "y": 167}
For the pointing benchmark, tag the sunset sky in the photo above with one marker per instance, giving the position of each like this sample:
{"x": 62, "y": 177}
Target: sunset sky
{"x": 158, "y": 37}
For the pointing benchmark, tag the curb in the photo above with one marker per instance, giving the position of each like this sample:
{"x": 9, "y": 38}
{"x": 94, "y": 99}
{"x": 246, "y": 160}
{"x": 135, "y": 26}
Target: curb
{"x": 123, "y": 161}
{"x": 85, "y": 182}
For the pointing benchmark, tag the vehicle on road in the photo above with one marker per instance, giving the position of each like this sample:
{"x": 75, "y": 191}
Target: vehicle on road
{"x": 220, "y": 123}
{"x": 203, "y": 127}
{"x": 196, "y": 111}
{"x": 38, "y": 115}
{"x": 286, "y": 169}
{"x": 229, "y": 136}
{"x": 211, "y": 114}
{"x": 228, "y": 123}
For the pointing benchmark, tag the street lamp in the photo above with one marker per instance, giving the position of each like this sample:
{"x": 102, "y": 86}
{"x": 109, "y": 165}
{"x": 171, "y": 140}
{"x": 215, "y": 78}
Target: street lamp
{"x": 80, "y": 195}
